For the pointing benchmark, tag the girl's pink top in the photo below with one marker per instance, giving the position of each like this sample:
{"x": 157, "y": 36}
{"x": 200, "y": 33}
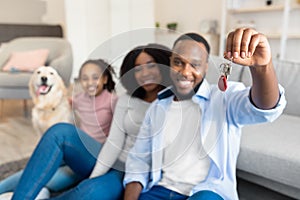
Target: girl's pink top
{"x": 95, "y": 113}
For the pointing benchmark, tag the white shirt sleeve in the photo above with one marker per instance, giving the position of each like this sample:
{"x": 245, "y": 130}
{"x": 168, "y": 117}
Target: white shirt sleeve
{"x": 115, "y": 141}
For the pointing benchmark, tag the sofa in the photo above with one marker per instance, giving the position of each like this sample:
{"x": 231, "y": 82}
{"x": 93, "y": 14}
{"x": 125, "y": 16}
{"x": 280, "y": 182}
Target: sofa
{"x": 16, "y": 39}
{"x": 14, "y": 83}
{"x": 59, "y": 57}
{"x": 270, "y": 152}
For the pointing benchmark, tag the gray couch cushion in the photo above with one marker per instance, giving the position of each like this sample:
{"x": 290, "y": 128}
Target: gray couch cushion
{"x": 13, "y": 80}
{"x": 60, "y": 53}
{"x": 288, "y": 74}
{"x": 271, "y": 150}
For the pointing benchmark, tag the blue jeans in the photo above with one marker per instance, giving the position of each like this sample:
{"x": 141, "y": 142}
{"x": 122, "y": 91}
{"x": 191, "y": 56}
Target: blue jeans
{"x": 106, "y": 187}
{"x": 63, "y": 178}
{"x": 162, "y": 193}
{"x": 61, "y": 143}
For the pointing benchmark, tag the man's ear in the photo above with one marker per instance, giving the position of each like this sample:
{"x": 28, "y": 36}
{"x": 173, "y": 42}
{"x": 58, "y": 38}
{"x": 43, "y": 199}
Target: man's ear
{"x": 206, "y": 68}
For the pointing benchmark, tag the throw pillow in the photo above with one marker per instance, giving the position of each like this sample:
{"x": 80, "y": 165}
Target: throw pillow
{"x": 26, "y": 60}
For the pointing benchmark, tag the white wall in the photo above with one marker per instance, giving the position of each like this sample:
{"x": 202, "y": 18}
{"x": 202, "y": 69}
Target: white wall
{"x": 54, "y": 12}
{"x": 20, "y": 11}
{"x": 189, "y": 14}
{"x": 88, "y": 24}
{"x": 32, "y": 11}
{"x": 92, "y": 26}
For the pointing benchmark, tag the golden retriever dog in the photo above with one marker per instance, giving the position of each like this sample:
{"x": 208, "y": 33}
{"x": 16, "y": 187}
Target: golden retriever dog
{"x": 50, "y": 100}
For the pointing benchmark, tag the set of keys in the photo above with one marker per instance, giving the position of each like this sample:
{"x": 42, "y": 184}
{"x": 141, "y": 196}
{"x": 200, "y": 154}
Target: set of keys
{"x": 225, "y": 71}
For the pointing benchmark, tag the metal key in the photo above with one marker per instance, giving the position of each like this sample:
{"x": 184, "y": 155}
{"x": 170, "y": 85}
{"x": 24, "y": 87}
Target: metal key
{"x": 225, "y": 70}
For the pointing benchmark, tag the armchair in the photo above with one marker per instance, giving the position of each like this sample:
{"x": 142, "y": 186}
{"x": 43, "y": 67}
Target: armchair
{"x": 14, "y": 85}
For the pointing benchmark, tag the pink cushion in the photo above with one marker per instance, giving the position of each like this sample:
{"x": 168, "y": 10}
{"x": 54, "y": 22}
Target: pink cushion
{"x": 26, "y": 60}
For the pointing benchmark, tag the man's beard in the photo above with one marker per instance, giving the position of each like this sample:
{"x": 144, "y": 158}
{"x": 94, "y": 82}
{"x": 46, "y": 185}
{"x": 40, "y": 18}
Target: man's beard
{"x": 181, "y": 97}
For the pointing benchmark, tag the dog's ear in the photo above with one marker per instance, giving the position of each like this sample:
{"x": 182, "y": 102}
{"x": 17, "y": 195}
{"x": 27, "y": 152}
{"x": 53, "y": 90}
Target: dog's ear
{"x": 62, "y": 85}
{"x": 32, "y": 91}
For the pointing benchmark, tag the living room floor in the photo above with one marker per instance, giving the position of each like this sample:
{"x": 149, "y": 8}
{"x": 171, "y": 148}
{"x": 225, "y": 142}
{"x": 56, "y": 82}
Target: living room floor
{"x": 18, "y": 139}
{"x": 17, "y": 136}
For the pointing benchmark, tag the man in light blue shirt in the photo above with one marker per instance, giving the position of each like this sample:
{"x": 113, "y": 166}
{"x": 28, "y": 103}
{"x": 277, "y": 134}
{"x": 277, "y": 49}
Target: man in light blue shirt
{"x": 196, "y": 158}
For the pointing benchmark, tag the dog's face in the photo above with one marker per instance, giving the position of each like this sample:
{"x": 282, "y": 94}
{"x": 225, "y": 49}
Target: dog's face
{"x": 49, "y": 96}
{"x": 44, "y": 80}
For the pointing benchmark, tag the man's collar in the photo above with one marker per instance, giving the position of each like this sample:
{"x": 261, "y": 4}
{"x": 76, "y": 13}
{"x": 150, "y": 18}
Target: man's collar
{"x": 165, "y": 93}
{"x": 203, "y": 91}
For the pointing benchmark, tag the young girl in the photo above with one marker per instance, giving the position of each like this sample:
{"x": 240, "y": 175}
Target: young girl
{"x": 94, "y": 106}
{"x": 144, "y": 72}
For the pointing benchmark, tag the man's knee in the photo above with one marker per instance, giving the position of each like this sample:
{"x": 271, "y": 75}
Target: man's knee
{"x": 204, "y": 195}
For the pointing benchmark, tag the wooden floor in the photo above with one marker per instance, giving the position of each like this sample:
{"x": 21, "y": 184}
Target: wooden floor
{"x": 14, "y": 108}
{"x": 17, "y": 136}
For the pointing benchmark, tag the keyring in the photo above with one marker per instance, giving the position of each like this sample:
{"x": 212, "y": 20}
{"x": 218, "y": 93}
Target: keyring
{"x": 225, "y": 70}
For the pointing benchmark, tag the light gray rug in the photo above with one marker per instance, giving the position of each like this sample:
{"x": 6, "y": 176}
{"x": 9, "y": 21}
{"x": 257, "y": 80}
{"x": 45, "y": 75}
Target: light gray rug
{"x": 17, "y": 141}
{"x": 10, "y": 168}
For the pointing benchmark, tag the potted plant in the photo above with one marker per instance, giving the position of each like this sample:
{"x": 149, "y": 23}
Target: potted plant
{"x": 172, "y": 26}
{"x": 157, "y": 24}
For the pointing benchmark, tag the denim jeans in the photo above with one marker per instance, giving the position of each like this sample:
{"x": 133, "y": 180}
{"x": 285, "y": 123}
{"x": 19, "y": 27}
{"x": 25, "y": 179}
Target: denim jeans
{"x": 61, "y": 143}
{"x": 106, "y": 187}
{"x": 63, "y": 178}
{"x": 159, "y": 192}
{"x": 9, "y": 184}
